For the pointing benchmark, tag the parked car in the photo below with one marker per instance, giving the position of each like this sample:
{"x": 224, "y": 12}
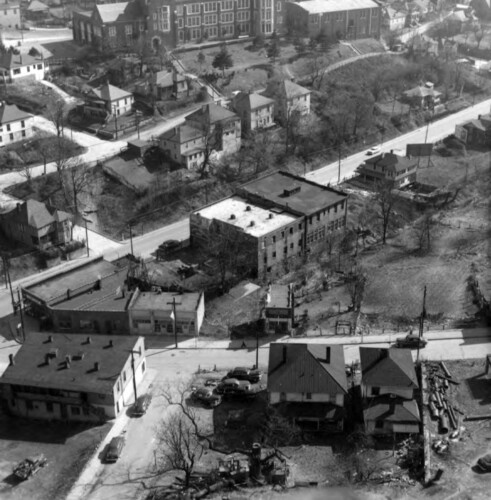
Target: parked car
{"x": 28, "y": 467}
{"x": 141, "y": 405}
{"x": 114, "y": 449}
{"x": 206, "y": 396}
{"x": 373, "y": 151}
{"x": 484, "y": 463}
{"x": 411, "y": 341}
{"x": 231, "y": 387}
{"x": 240, "y": 373}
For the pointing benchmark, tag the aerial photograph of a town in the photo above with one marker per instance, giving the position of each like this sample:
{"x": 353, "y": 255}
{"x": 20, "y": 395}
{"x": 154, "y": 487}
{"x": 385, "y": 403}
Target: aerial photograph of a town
{"x": 245, "y": 250}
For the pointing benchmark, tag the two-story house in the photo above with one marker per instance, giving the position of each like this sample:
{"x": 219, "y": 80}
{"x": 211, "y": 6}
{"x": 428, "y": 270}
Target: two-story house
{"x": 308, "y": 383}
{"x": 74, "y": 378}
{"x": 279, "y": 310}
{"x": 37, "y": 225}
{"x": 108, "y": 100}
{"x": 167, "y": 84}
{"x": 389, "y": 168}
{"x": 289, "y": 98}
{"x": 394, "y": 19}
{"x": 255, "y": 111}
{"x": 15, "y": 124}
{"x": 10, "y": 15}
{"x": 388, "y": 390}
{"x": 185, "y": 145}
{"x": 17, "y": 66}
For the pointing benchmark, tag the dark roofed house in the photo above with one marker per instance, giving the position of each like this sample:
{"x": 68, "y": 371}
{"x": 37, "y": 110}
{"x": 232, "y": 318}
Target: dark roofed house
{"x": 166, "y": 84}
{"x": 388, "y": 388}
{"x": 15, "y": 66}
{"x": 255, "y": 110}
{"x": 422, "y": 96}
{"x": 15, "y": 124}
{"x": 73, "y": 377}
{"x": 185, "y": 145}
{"x": 389, "y": 167}
{"x": 308, "y": 382}
{"x": 475, "y": 132}
{"x": 108, "y": 100}
{"x": 37, "y": 225}
{"x": 289, "y": 98}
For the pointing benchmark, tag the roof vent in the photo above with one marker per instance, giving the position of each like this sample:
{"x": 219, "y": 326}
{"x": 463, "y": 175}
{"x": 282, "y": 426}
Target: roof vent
{"x": 291, "y": 191}
{"x": 11, "y": 360}
{"x": 248, "y": 208}
{"x": 252, "y": 223}
{"x": 97, "y": 366}
{"x": 270, "y": 216}
{"x": 111, "y": 343}
{"x": 232, "y": 216}
{"x": 88, "y": 341}
{"x": 50, "y": 338}
{"x": 53, "y": 353}
{"x": 79, "y": 356}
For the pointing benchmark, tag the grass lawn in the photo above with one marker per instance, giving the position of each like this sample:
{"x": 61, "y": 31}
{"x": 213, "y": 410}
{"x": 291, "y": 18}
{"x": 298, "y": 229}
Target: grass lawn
{"x": 248, "y": 79}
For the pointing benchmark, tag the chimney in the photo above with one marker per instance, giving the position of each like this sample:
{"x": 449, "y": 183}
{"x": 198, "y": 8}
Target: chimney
{"x": 328, "y": 354}
{"x": 47, "y": 358}
{"x": 97, "y": 366}
{"x": 50, "y": 338}
{"x": 88, "y": 341}
{"x": 110, "y": 343}
{"x": 252, "y": 223}
{"x": 68, "y": 294}
{"x": 68, "y": 359}
{"x": 18, "y": 207}
{"x": 11, "y": 360}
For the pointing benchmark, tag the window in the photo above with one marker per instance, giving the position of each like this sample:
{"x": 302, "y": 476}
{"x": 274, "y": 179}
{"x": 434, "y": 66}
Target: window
{"x": 163, "y": 18}
{"x": 8, "y": 127}
{"x": 179, "y": 10}
{"x": 375, "y": 13}
{"x": 23, "y": 123}
{"x": 17, "y": 71}
{"x": 375, "y": 391}
{"x": 112, "y": 30}
{"x": 40, "y": 66}
{"x": 193, "y": 8}
{"x": 23, "y": 133}
{"x": 363, "y": 14}
{"x": 274, "y": 255}
{"x": 28, "y": 69}
{"x": 118, "y": 387}
{"x": 243, "y": 15}
{"x": 274, "y": 239}
{"x": 86, "y": 324}
{"x": 379, "y": 424}
{"x": 243, "y": 4}
{"x": 227, "y": 17}
{"x": 339, "y": 16}
{"x": 278, "y": 6}
{"x": 226, "y": 5}
{"x": 291, "y": 230}
{"x": 143, "y": 367}
{"x": 180, "y": 34}
{"x": 128, "y": 29}
{"x": 49, "y": 407}
{"x": 195, "y": 33}
{"x": 75, "y": 410}
{"x": 308, "y": 395}
{"x": 193, "y": 21}
{"x": 210, "y": 19}
{"x": 29, "y": 405}
{"x": 124, "y": 376}
{"x": 11, "y": 137}
{"x": 291, "y": 246}
{"x": 210, "y": 7}
{"x": 213, "y": 31}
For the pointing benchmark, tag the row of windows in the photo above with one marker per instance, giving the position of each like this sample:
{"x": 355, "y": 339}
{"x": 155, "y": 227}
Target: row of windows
{"x": 285, "y": 251}
{"x": 11, "y": 136}
{"x": 17, "y": 71}
{"x": 22, "y": 124}
{"x": 195, "y": 8}
{"x": 74, "y": 410}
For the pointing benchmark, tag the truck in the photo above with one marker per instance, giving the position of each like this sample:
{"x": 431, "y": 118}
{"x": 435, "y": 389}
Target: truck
{"x": 28, "y": 467}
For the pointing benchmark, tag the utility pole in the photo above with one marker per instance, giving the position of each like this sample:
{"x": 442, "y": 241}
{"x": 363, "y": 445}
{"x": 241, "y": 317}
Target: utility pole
{"x": 115, "y": 121}
{"x": 174, "y": 317}
{"x": 87, "y": 238}
{"x": 8, "y": 282}
{"x": 21, "y": 315}
{"x": 421, "y": 322}
{"x": 131, "y": 239}
{"x": 134, "y": 376}
{"x": 339, "y": 162}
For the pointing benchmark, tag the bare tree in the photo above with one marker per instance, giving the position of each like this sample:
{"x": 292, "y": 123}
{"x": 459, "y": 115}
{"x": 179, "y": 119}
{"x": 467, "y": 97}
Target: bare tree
{"x": 292, "y": 129}
{"x": 77, "y": 180}
{"x": 316, "y": 67}
{"x": 479, "y": 31}
{"x": 26, "y": 172}
{"x": 357, "y": 281}
{"x": 385, "y": 200}
{"x": 258, "y": 151}
{"x": 56, "y": 113}
{"x": 423, "y": 232}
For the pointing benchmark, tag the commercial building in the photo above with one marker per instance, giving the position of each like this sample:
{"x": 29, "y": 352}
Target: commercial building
{"x": 159, "y": 313}
{"x": 15, "y": 124}
{"x": 308, "y": 383}
{"x": 276, "y": 217}
{"x": 17, "y": 66}
{"x": 37, "y": 225}
{"x": 335, "y": 19}
{"x": 279, "y": 311}
{"x": 73, "y": 377}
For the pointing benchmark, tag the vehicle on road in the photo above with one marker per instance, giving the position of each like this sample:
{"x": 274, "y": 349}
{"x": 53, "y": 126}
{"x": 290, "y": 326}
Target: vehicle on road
{"x": 167, "y": 248}
{"x": 233, "y": 388}
{"x": 206, "y": 396}
{"x": 114, "y": 449}
{"x": 484, "y": 463}
{"x": 240, "y": 373}
{"x": 373, "y": 151}
{"x": 141, "y": 405}
{"x": 411, "y": 341}
{"x": 28, "y": 467}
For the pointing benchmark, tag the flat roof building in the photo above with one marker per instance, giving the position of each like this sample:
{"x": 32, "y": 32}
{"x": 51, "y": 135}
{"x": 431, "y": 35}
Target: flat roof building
{"x": 73, "y": 377}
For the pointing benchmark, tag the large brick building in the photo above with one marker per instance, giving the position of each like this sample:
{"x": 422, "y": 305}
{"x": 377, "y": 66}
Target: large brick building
{"x": 335, "y": 18}
{"x": 277, "y": 217}
{"x": 175, "y": 23}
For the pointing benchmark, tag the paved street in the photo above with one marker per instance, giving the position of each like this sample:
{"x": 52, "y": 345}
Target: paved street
{"x": 438, "y": 130}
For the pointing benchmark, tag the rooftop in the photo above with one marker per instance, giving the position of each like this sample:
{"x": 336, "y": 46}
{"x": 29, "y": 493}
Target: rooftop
{"x": 321, "y": 6}
{"x": 153, "y": 301}
{"x": 182, "y": 133}
{"x": 211, "y": 113}
{"x": 392, "y": 162}
{"x": 36, "y": 214}
{"x": 284, "y": 88}
{"x": 279, "y": 297}
{"x": 251, "y": 100}
{"x": 11, "y": 61}
{"x": 314, "y": 368}
{"x": 387, "y": 367}
{"x": 392, "y": 410}
{"x": 111, "y": 11}
{"x": 293, "y": 193}
{"x": 31, "y": 368}
{"x": 422, "y": 91}
{"x": 252, "y": 219}
{"x": 109, "y": 92}
{"x": 46, "y": 290}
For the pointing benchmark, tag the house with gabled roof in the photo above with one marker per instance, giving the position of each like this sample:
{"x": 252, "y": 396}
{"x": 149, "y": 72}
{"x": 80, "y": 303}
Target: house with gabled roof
{"x": 15, "y": 124}
{"x": 423, "y": 96}
{"x": 475, "y": 132}
{"x": 390, "y": 168}
{"x": 289, "y": 97}
{"x": 37, "y": 224}
{"x": 255, "y": 110}
{"x": 16, "y": 66}
{"x": 185, "y": 145}
{"x": 74, "y": 378}
{"x": 168, "y": 84}
{"x": 108, "y": 100}
{"x": 388, "y": 387}
{"x": 308, "y": 383}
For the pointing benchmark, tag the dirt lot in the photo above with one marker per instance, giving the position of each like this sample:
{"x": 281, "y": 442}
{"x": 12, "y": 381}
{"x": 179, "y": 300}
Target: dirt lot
{"x": 473, "y": 396}
{"x": 67, "y": 448}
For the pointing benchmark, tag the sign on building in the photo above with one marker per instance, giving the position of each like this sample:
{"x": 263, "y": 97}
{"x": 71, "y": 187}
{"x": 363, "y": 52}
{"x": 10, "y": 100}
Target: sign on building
{"x": 461, "y": 133}
{"x": 419, "y": 149}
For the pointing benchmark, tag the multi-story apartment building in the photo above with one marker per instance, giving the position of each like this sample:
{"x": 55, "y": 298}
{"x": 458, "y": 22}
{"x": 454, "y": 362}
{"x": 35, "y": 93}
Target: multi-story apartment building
{"x": 15, "y": 124}
{"x": 73, "y": 377}
{"x": 277, "y": 217}
{"x": 177, "y": 22}
{"x": 335, "y": 18}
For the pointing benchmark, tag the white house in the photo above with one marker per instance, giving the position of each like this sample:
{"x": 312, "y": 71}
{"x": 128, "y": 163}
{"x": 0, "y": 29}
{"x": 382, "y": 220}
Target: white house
{"x": 15, "y": 66}
{"x": 10, "y": 15}
{"x": 73, "y": 377}
{"x": 116, "y": 101}
{"x": 15, "y": 124}
{"x": 289, "y": 98}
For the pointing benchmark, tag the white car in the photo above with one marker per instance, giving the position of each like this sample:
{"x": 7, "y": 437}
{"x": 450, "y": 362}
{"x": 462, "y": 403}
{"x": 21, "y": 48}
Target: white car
{"x": 374, "y": 150}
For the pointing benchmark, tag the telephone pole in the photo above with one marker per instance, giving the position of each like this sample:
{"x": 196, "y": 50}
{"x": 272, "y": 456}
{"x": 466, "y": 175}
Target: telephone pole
{"x": 421, "y": 322}
{"x": 174, "y": 317}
